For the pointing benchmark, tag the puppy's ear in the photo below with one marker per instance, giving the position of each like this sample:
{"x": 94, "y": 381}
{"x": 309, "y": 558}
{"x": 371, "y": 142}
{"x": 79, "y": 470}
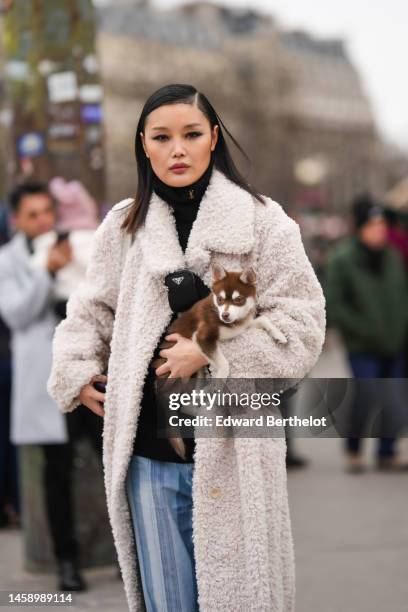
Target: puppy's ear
{"x": 248, "y": 276}
{"x": 218, "y": 272}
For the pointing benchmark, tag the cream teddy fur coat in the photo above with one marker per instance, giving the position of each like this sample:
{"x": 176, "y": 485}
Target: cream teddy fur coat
{"x": 241, "y": 524}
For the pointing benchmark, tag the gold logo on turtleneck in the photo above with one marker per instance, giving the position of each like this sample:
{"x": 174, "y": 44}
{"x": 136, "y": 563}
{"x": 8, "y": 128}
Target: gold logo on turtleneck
{"x": 191, "y": 194}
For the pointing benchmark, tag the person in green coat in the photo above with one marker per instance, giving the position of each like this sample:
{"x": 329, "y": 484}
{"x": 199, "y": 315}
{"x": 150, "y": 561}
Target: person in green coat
{"x": 367, "y": 301}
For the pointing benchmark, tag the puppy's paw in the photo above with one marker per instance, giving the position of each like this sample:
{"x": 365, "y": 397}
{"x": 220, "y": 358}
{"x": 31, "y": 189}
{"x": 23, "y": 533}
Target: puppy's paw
{"x": 221, "y": 365}
{"x": 263, "y": 322}
{"x": 278, "y": 335}
{"x": 222, "y": 372}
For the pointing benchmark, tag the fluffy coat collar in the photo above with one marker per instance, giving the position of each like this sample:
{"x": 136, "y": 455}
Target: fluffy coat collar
{"x": 224, "y": 223}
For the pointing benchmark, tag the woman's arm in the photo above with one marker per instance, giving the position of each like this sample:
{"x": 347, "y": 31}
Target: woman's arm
{"x": 81, "y": 343}
{"x": 290, "y": 296}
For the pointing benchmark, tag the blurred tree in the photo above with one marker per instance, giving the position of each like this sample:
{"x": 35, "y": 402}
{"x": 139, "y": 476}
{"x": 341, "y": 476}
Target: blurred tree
{"x": 53, "y": 84}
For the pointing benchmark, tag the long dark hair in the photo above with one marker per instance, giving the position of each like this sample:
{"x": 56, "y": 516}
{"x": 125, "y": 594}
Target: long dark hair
{"x": 186, "y": 94}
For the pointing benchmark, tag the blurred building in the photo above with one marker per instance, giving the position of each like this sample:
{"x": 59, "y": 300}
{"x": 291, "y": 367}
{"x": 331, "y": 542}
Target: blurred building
{"x": 141, "y": 50}
{"x": 395, "y": 164}
{"x": 295, "y": 103}
{"x": 332, "y": 143}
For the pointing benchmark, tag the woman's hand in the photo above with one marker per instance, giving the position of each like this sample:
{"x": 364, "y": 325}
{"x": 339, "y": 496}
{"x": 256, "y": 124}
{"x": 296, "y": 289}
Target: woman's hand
{"x": 183, "y": 359}
{"x": 91, "y": 398}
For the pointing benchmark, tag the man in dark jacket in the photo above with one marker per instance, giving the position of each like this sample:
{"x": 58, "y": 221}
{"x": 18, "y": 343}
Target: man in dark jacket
{"x": 367, "y": 300}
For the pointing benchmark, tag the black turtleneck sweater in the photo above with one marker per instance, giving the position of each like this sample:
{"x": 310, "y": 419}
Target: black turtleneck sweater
{"x": 184, "y": 203}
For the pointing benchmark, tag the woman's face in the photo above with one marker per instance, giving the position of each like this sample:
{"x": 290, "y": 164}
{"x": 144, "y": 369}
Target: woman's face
{"x": 178, "y": 134}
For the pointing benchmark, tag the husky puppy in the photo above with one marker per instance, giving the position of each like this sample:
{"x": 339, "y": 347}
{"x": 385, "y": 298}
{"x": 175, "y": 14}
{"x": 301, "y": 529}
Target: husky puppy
{"x": 226, "y": 312}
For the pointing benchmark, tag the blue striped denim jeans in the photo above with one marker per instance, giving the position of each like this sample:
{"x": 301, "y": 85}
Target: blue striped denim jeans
{"x": 160, "y": 499}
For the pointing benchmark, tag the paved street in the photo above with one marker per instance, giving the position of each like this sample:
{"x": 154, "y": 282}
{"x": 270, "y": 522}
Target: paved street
{"x": 350, "y": 532}
{"x": 351, "y": 541}
{"x": 105, "y": 590}
{"x": 351, "y": 536}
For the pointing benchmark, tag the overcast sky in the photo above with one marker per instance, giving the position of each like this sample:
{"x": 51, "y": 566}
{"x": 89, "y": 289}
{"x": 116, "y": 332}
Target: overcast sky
{"x": 376, "y": 33}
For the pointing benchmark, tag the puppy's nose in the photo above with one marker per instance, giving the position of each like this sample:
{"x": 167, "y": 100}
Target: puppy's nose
{"x": 226, "y": 316}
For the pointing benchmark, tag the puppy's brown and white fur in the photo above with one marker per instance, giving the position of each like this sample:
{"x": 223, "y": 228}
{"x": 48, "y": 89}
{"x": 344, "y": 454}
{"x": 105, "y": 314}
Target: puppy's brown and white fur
{"x": 225, "y": 313}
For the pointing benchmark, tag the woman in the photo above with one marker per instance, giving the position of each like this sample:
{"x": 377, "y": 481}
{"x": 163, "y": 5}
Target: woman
{"x": 231, "y": 499}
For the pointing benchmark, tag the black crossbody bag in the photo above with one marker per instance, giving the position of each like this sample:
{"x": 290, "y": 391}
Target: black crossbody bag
{"x": 184, "y": 289}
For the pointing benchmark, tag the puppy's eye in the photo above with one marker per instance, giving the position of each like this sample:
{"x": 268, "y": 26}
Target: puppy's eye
{"x": 220, "y": 300}
{"x": 239, "y": 300}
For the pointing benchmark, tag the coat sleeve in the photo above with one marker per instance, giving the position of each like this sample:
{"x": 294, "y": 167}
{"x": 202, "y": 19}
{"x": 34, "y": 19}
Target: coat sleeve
{"x": 81, "y": 344}
{"x": 290, "y": 296}
{"x": 23, "y": 299}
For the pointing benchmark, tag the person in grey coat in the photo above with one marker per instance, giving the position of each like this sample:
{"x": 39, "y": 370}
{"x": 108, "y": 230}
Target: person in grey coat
{"x": 27, "y": 306}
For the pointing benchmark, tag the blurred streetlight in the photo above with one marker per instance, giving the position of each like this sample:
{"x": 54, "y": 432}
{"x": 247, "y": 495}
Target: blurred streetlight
{"x": 311, "y": 171}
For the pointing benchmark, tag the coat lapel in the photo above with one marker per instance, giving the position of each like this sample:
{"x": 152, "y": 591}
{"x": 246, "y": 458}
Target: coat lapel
{"x": 224, "y": 223}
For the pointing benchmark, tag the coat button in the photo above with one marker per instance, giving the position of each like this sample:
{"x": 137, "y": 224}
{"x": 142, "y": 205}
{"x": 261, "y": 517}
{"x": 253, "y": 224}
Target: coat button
{"x": 215, "y": 492}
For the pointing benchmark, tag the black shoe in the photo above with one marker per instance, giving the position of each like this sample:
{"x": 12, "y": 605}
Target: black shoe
{"x": 14, "y": 518}
{"x": 391, "y": 464}
{"x": 70, "y": 578}
{"x": 118, "y": 571}
{"x": 295, "y": 462}
{"x": 4, "y": 520}
{"x": 354, "y": 464}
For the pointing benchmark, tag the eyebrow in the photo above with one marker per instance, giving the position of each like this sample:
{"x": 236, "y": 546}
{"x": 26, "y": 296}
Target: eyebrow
{"x": 188, "y": 125}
